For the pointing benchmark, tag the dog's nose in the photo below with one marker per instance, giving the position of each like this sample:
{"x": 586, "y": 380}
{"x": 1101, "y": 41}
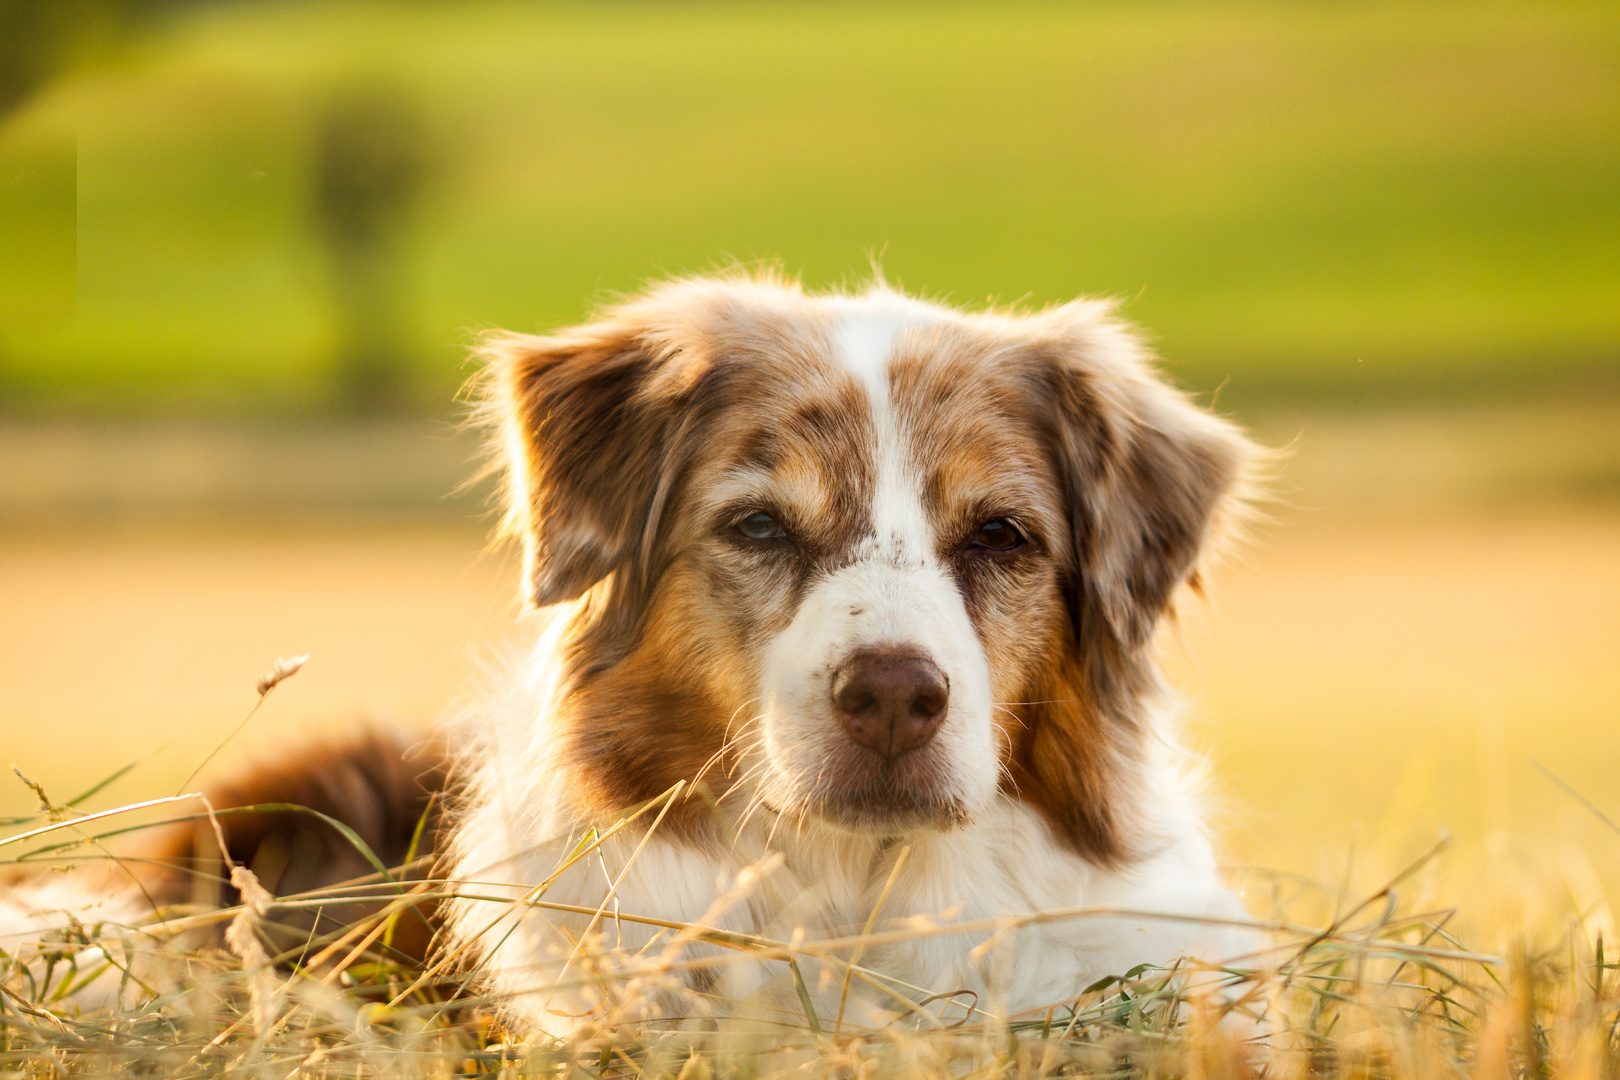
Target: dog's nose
{"x": 890, "y": 700}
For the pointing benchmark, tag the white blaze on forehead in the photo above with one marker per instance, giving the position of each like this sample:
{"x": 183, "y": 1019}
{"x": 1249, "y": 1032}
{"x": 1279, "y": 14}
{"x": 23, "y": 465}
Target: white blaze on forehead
{"x": 869, "y": 329}
{"x": 867, "y": 334}
{"x": 893, "y": 592}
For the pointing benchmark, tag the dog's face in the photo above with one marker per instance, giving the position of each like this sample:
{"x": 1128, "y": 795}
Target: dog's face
{"x": 884, "y": 544}
{"x": 874, "y": 560}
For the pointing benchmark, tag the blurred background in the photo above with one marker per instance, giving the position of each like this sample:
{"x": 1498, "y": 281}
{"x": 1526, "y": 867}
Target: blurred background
{"x": 244, "y": 246}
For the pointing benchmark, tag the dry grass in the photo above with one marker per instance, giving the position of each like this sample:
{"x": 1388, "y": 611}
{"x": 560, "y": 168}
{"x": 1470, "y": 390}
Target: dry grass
{"x": 1381, "y": 989}
{"x": 1494, "y": 957}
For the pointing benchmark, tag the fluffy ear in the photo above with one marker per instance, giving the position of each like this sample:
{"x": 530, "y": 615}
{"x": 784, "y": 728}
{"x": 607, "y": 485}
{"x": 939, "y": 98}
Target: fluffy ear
{"x": 1149, "y": 476}
{"x": 582, "y": 421}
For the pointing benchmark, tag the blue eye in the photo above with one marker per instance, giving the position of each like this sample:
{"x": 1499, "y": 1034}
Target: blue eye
{"x": 997, "y": 534}
{"x": 761, "y": 526}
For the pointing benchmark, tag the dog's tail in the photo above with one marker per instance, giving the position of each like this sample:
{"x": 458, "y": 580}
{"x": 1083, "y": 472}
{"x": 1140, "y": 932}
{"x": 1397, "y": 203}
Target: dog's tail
{"x": 324, "y": 818}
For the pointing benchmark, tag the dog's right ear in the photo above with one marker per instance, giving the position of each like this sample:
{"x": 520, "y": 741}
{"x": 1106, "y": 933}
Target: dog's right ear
{"x": 582, "y": 421}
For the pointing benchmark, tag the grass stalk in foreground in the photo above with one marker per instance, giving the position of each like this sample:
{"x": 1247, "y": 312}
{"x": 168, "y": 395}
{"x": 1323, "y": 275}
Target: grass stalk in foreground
{"x": 1379, "y": 991}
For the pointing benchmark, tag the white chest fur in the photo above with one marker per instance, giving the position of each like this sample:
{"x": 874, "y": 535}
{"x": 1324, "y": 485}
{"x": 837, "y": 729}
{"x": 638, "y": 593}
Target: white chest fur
{"x": 819, "y": 885}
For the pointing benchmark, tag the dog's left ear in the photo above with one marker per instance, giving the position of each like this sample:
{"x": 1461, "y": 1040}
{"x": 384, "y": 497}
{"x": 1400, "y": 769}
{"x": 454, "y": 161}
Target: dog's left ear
{"x": 1146, "y": 478}
{"x": 1149, "y": 477}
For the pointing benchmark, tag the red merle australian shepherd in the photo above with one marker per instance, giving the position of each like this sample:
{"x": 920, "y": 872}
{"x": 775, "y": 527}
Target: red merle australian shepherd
{"x": 846, "y": 607}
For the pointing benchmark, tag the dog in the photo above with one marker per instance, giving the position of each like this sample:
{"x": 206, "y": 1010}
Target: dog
{"x": 882, "y": 577}
{"x": 843, "y": 618}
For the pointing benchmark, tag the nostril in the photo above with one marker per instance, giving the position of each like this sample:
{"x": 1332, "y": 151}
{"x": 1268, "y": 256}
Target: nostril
{"x": 929, "y": 703}
{"x": 854, "y": 700}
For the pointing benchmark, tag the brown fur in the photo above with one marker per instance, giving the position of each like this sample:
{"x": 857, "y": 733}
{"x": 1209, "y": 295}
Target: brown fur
{"x": 379, "y": 781}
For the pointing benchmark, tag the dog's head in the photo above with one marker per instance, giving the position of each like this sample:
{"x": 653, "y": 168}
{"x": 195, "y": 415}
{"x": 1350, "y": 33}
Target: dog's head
{"x": 873, "y": 559}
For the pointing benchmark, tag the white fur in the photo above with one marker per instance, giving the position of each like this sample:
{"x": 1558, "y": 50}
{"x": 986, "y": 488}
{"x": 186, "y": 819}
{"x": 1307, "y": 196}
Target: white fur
{"x": 80, "y": 920}
{"x": 1006, "y": 862}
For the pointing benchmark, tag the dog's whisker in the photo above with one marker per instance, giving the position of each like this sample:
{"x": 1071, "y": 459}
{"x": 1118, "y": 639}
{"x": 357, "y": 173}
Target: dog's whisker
{"x": 724, "y": 746}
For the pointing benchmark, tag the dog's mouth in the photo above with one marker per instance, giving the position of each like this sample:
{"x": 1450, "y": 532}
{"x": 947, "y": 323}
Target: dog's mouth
{"x": 861, "y": 791}
{"x": 885, "y": 807}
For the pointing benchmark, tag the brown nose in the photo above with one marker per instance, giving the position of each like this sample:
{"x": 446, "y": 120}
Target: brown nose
{"x": 890, "y": 700}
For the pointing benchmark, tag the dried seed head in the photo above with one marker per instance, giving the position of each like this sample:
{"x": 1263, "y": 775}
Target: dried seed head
{"x": 48, "y": 809}
{"x": 242, "y": 937}
{"x": 255, "y": 897}
{"x": 284, "y": 669}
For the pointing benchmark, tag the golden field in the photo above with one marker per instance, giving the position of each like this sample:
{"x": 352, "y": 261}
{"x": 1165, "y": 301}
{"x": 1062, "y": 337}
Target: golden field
{"x": 1432, "y": 610}
{"x": 1417, "y": 641}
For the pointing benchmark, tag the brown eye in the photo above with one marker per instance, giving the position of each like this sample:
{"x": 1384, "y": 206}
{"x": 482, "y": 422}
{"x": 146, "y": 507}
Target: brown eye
{"x": 997, "y": 534}
{"x": 761, "y": 526}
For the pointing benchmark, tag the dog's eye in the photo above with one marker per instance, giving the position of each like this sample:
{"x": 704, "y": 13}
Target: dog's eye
{"x": 997, "y": 534}
{"x": 761, "y": 526}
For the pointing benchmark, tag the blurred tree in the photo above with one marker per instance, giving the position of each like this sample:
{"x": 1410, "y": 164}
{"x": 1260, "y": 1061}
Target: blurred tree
{"x": 368, "y": 180}
{"x": 39, "y": 39}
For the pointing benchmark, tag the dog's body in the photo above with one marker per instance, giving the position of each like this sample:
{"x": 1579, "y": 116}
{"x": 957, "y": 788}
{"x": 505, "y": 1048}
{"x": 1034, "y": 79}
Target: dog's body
{"x": 823, "y": 884}
{"x": 851, "y": 599}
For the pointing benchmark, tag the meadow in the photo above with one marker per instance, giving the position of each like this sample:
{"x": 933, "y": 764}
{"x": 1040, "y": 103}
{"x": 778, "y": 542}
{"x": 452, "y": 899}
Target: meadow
{"x": 1437, "y": 616}
{"x": 1350, "y": 203}
{"x": 1402, "y": 670}
{"x": 1386, "y": 236}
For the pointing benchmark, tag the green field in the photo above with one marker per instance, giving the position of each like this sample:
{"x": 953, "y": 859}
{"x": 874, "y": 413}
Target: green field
{"x": 1359, "y": 201}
